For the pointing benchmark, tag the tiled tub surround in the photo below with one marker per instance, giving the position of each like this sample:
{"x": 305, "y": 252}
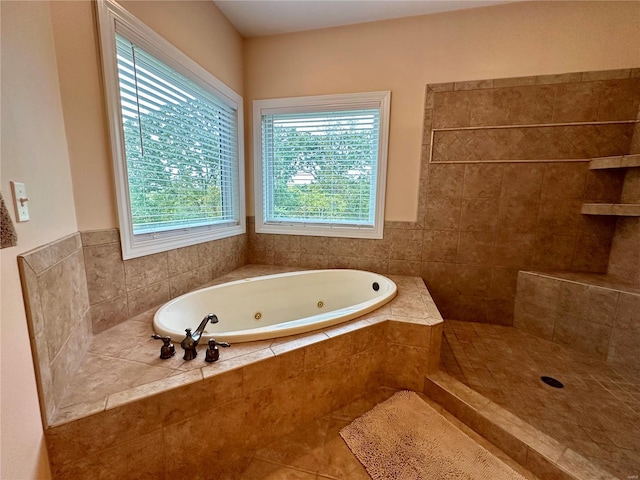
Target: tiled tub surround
{"x": 596, "y": 315}
{"x": 191, "y": 419}
{"x": 398, "y": 253}
{"x": 79, "y": 285}
{"x": 57, "y": 304}
{"x": 119, "y": 289}
{"x": 501, "y": 192}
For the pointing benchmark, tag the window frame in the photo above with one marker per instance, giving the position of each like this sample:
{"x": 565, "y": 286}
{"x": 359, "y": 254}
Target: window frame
{"x": 380, "y": 100}
{"x": 110, "y": 13}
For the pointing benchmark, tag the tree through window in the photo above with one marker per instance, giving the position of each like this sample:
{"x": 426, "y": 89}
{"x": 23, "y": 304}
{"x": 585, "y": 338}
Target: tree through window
{"x": 177, "y": 140}
{"x": 322, "y": 167}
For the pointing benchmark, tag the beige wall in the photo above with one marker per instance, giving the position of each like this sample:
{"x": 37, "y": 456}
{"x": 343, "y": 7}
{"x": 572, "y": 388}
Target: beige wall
{"x": 54, "y": 140}
{"x": 197, "y": 28}
{"x": 77, "y": 53}
{"x": 34, "y": 151}
{"x": 400, "y": 55}
{"x": 519, "y": 39}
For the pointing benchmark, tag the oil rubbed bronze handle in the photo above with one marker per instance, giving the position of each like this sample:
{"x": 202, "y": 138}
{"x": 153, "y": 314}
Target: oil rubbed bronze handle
{"x": 167, "y": 350}
{"x": 213, "y": 354}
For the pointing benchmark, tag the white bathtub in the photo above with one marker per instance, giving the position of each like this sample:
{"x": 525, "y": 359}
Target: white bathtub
{"x": 275, "y": 305}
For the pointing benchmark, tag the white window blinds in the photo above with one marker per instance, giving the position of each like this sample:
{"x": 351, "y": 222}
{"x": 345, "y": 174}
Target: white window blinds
{"x": 320, "y": 167}
{"x": 180, "y": 144}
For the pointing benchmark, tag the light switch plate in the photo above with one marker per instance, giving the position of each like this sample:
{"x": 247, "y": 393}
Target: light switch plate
{"x": 21, "y": 201}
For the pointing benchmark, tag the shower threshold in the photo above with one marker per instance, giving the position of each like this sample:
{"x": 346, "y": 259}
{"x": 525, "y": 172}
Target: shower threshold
{"x": 490, "y": 378}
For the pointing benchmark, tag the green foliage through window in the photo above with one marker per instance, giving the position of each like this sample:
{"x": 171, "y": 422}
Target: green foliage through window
{"x": 180, "y": 146}
{"x": 320, "y": 167}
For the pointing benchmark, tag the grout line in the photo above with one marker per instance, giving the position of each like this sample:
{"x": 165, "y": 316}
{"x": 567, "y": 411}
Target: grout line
{"x": 555, "y": 102}
{"x": 544, "y": 160}
{"x": 600, "y": 94}
{"x": 535, "y": 125}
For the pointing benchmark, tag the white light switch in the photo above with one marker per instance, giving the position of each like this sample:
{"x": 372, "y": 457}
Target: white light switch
{"x": 21, "y": 201}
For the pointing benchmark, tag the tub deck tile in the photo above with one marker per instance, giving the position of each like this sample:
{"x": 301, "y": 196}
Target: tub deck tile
{"x": 144, "y": 374}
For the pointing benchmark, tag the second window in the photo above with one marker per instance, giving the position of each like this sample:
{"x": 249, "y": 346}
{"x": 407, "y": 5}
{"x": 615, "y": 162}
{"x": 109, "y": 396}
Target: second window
{"x": 320, "y": 164}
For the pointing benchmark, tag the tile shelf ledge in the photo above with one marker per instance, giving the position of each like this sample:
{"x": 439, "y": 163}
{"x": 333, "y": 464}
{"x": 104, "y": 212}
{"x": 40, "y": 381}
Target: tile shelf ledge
{"x": 611, "y": 209}
{"x": 619, "y": 161}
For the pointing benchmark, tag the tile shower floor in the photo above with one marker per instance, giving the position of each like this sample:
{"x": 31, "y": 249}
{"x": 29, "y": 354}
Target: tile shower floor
{"x": 317, "y": 452}
{"x": 597, "y": 413}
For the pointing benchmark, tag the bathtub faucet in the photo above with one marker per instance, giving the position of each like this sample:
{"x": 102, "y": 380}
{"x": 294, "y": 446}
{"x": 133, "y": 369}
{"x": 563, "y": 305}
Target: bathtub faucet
{"x": 190, "y": 342}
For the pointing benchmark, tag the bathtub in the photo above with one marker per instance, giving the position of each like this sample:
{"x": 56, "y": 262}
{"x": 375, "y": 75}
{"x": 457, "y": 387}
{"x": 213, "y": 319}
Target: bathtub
{"x": 275, "y": 306}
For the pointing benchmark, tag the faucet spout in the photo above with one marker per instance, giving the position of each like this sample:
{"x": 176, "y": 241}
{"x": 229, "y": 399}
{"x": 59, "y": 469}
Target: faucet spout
{"x": 190, "y": 342}
{"x": 203, "y": 324}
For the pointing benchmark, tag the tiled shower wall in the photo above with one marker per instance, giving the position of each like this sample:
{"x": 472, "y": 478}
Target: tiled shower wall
{"x": 624, "y": 261}
{"x": 507, "y": 177}
{"x": 625, "y": 251}
{"x": 501, "y": 193}
{"x": 600, "y": 320}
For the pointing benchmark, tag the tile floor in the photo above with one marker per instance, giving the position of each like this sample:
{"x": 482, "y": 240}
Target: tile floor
{"x": 317, "y": 452}
{"x": 597, "y": 413}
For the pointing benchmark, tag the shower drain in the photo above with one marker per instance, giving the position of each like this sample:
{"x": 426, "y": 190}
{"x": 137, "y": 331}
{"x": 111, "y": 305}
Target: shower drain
{"x": 552, "y": 382}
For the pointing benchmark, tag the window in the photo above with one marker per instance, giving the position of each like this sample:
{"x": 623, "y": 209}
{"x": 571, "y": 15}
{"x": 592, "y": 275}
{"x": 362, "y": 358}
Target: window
{"x": 320, "y": 164}
{"x": 176, "y": 137}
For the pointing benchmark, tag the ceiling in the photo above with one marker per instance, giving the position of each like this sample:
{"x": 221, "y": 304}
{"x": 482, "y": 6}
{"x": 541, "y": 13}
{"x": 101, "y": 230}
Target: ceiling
{"x": 268, "y": 17}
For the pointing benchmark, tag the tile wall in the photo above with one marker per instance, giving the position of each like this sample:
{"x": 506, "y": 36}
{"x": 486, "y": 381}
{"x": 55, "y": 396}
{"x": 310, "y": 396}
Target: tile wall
{"x": 119, "y": 289}
{"x": 242, "y": 407}
{"x": 79, "y": 285}
{"x": 596, "y": 315}
{"x": 599, "y": 319}
{"x": 57, "y": 304}
{"x": 624, "y": 261}
{"x": 501, "y": 193}
{"x": 625, "y": 250}
{"x": 397, "y": 253}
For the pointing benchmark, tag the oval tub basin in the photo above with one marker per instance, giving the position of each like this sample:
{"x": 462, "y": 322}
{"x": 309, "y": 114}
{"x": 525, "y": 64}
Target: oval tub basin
{"x": 275, "y": 306}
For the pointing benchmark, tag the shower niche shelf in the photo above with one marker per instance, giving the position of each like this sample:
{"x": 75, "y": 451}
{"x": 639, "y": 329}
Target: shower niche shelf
{"x": 613, "y": 209}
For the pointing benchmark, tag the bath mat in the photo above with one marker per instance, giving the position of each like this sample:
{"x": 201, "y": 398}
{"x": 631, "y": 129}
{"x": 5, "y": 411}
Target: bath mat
{"x": 404, "y": 438}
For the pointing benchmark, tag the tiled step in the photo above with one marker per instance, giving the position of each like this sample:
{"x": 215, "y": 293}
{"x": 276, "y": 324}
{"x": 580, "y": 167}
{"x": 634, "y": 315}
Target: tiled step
{"x": 539, "y": 453}
{"x": 620, "y": 161}
{"x": 614, "y": 209}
